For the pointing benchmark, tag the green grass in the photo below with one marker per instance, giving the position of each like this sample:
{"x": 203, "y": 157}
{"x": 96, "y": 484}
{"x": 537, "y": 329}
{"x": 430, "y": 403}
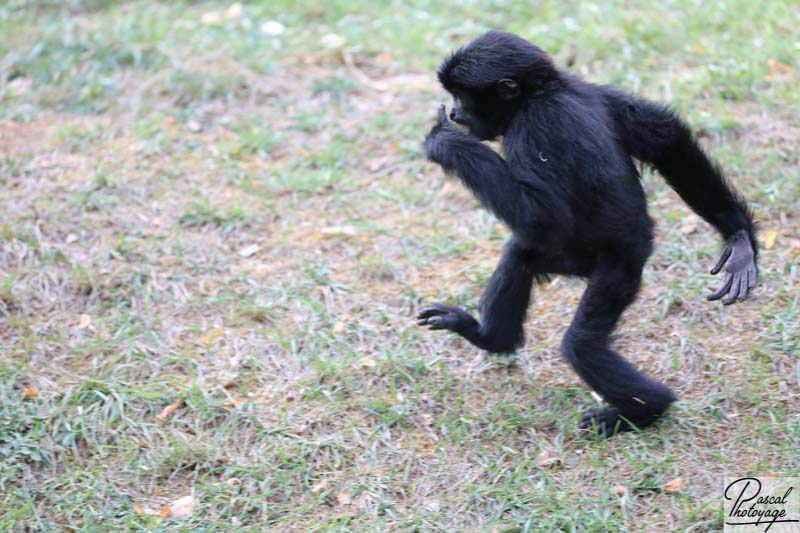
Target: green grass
{"x": 143, "y": 151}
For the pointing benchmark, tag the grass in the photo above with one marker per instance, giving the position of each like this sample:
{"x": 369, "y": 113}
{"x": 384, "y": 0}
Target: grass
{"x": 243, "y": 223}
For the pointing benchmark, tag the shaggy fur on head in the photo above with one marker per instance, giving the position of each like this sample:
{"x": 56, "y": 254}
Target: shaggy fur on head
{"x": 492, "y": 57}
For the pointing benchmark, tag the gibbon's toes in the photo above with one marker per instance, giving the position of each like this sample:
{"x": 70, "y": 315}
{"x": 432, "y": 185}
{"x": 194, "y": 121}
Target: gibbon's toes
{"x": 604, "y": 422}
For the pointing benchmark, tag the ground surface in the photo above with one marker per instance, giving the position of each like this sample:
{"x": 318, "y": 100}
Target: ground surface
{"x": 214, "y": 236}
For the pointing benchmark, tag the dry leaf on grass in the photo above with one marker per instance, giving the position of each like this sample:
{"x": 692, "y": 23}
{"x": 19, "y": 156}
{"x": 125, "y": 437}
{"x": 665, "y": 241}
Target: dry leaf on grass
{"x": 777, "y": 69}
{"x": 319, "y": 487}
{"x": 84, "y": 321}
{"x": 794, "y": 247}
{"x": 332, "y": 41}
{"x": 768, "y": 239}
{"x": 210, "y": 337}
{"x": 673, "y": 486}
{"x": 249, "y": 251}
{"x": 238, "y": 400}
{"x": 182, "y": 508}
{"x": 30, "y": 392}
{"x": 343, "y": 498}
{"x": 689, "y": 225}
{"x": 146, "y": 511}
{"x": 262, "y": 270}
{"x": 339, "y": 278}
{"x": 272, "y": 28}
{"x": 338, "y": 231}
{"x": 548, "y": 457}
{"x": 212, "y": 18}
{"x": 449, "y": 188}
{"x": 234, "y": 11}
{"x": 231, "y": 382}
{"x": 169, "y": 410}
{"x": 367, "y": 362}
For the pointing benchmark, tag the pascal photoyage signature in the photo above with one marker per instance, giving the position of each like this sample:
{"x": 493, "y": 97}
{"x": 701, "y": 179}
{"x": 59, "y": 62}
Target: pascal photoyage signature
{"x": 750, "y": 507}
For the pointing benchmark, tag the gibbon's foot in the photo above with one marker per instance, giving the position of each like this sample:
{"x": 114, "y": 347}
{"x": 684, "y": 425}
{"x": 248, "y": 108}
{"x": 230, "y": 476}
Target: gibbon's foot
{"x": 440, "y": 316}
{"x": 606, "y": 422}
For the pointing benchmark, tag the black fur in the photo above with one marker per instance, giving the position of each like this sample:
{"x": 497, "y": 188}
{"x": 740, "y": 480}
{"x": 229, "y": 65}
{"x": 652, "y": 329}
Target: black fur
{"x": 568, "y": 187}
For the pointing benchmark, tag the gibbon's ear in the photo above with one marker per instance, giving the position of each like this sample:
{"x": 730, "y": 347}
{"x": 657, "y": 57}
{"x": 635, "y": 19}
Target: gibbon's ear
{"x": 507, "y": 89}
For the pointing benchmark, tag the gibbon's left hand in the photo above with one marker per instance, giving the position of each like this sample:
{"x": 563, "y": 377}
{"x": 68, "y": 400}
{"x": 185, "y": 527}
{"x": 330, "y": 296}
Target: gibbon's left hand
{"x": 741, "y": 272}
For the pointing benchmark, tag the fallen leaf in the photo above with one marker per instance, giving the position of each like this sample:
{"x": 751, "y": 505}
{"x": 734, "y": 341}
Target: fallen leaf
{"x": 273, "y": 28}
{"x": 377, "y": 164}
{"x": 449, "y": 188}
{"x": 673, "y": 486}
{"x": 30, "y": 392}
{"x": 182, "y": 507}
{"x": 339, "y": 327}
{"x": 210, "y": 337}
{"x": 794, "y": 247}
{"x": 777, "y": 65}
{"x": 367, "y": 362}
{"x": 227, "y": 135}
{"x": 332, "y": 41}
{"x": 212, "y": 18}
{"x": 689, "y": 225}
{"x": 84, "y": 321}
{"x": 338, "y": 231}
{"x": 262, "y": 270}
{"x": 169, "y": 410}
{"x": 768, "y": 239}
{"x": 146, "y": 511}
{"x": 319, "y": 487}
{"x": 248, "y": 251}
{"x": 343, "y": 498}
{"x": 233, "y": 402}
{"x": 234, "y": 11}
{"x": 548, "y": 457}
{"x": 18, "y": 86}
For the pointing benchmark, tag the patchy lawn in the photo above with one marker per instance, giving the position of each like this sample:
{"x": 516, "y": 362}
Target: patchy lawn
{"x": 216, "y": 226}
